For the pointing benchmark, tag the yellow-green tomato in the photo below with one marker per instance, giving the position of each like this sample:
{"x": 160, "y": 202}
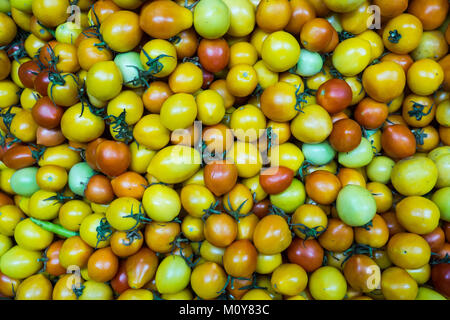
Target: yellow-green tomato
{"x": 20, "y": 263}
{"x": 210, "y": 107}
{"x": 291, "y": 198}
{"x": 161, "y": 203}
{"x": 173, "y": 275}
{"x": 43, "y": 205}
{"x": 5, "y": 244}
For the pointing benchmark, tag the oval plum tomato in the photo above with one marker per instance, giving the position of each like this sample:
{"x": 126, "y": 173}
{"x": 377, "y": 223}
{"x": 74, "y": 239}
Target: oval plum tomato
{"x": 28, "y": 72}
{"x": 239, "y": 259}
{"x": 345, "y": 136}
{"x": 213, "y": 54}
{"x": 398, "y": 141}
{"x": 112, "y": 158}
{"x": 436, "y": 239}
{"x": 276, "y": 179}
{"x": 334, "y": 95}
{"x": 99, "y": 190}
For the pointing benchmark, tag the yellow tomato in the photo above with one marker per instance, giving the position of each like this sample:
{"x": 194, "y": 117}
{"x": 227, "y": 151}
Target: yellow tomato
{"x": 356, "y": 50}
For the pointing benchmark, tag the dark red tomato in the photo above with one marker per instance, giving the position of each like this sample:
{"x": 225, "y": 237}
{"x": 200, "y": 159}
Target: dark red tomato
{"x": 371, "y": 114}
{"x": 334, "y": 95}
{"x": 28, "y": 71}
{"x": 208, "y": 78}
{"x": 436, "y": 239}
{"x": 261, "y": 208}
{"x": 398, "y": 141}
{"x": 276, "y": 179}
{"x": 444, "y": 252}
{"x": 49, "y": 137}
{"x": 392, "y": 223}
{"x": 53, "y": 266}
{"x": 99, "y": 189}
{"x": 42, "y": 82}
{"x": 120, "y": 282}
{"x": 440, "y": 277}
{"x": 345, "y": 136}
{"x": 91, "y": 151}
{"x": 112, "y": 157}
{"x": 7, "y": 145}
{"x": 306, "y": 253}
{"x": 220, "y": 176}
{"x": 19, "y": 157}
{"x": 213, "y": 54}
{"x": 46, "y": 113}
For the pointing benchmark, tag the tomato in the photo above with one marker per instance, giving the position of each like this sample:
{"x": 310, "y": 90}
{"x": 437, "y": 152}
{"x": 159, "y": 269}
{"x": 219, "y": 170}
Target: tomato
{"x": 280, "y": 51}
{"x": 338, "y": 236}
{"x": 112, "y": 158}
{"x": 397, "y": 284}
{"x": 345, "y": 136}
{"x": 213, "y": 54}
{"x": 317, "y": 35}
{"x": 306, "y": 253}
{"x": 327, "y": 283}
{"x": 276, "y": 179}
{"x": 30, "y": 236}
{"x": 160, "y": 236}
{"x": 440, "y": 275}
{"x": 51, "y": 13}
{"x": 207, "y": 279}
{"x": 371, "y": 114}
{"x": 240, "y": 259}
{"x": 19, "y": 263}
{"x": 417, "y": 214}
{"x": 96, "y": 291}
{"x": 398, "y": 141}
{"x": 23, "y": 126}
{"x": 279, "y": 102}
{"x": 23, "y": 181}
{"x": 408, "y": 250}
{"x": 102, "y": 265}
{"x": 313, "y": 125}
{"x": 11, "y": 29}
{"x": 362, "y": 273}
{"x": 384, "y": 81}
{"x": 438, "y": 198}
{"x": 427, "y": 72}
{"x": 248, "y": 123}
{"x": 334, "y": 95}
{"x": 141, "y": 267}
{"x": 356, "y": 49}
{"x": 428, "y": 294}
{"x": 186, "y": 78}
{"x": 241, "y": 80}
{"x": 273, "y": 16}
{"x": 36, "y": 287}
{"x": 431, "y": 13}
{"x": 212, "y": 18}
{"x": 402, "y": 34}
{"x": 28, "y": 72}
{"x": 411, "y": 181}
{"x": 272, "y": 235}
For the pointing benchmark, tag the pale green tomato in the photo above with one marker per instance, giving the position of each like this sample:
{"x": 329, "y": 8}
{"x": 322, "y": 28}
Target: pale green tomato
{"x": 309, "y": 63}
{"x": 23, "y": 181}
{"x": 79, "y": 176}
{"x": 173, "y": 275}
{"x": 68, "y": 32}
{"x": 355, "y": 205}
{"x": 5, "y": 6}
{"x": 359, "y": 157}
{"x": 443, "y": 166}
{"x": 319, "y": 153}
{"x": 442, "y": 199}
{"x": 20, "y": 263}
{"x": 212, "y": 18}
{"x": 291, "y": 198}
{"x": 335, "y": 22}
{"x": 379, "y": 169}
{"x": 129, "y": 63}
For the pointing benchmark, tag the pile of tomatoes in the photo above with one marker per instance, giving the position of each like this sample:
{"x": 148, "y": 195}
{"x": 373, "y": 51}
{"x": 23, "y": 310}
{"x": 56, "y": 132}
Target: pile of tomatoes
{"x": 225, "y": 149}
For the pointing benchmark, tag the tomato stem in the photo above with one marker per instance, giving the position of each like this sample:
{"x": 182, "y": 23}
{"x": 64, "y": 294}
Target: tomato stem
{"x": 394, "y": 36}
{"x": 417, "y": 110}
{"x": 104, "y": 231}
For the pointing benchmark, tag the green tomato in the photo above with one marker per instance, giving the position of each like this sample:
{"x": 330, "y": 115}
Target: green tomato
{"x": 68, "y": 32}
{"x": 425, "y": 293}
{"x": 379, "y": 169}
{"x": 5, "y": 244}
{"x": 355, "y": 205}
{"x": 358, "y": 157}
{"x": 319, "y": 153}
{"x": 79, "y": 176}
{"x": 212, "y": 18}
{"x": 309, "y": 63}
{"x": 30, "y": 236}
{"x": 22, "y": 5}
{"x": 23, "y": 181}
{"x": 173, "y": 275}
{"x": 19, "y": 263}
{"x": 129, "y": 63}
{"x": 291, "y": 198}
{"x": 442, "y": 199}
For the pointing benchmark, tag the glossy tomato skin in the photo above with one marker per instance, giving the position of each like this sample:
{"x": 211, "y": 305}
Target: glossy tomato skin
{"x": 345, "y": 136}
{"x": 112, "y": 157}
{"x": 102, "y": 265}
{"x": 120, "y": 281}
{"x": 306, "y": 253}
{"x": 46, "y": 113}
{"x": 398, "y": 141}
{"x": 334, "y": 95}
{"x": 213, "y": 54}
{"x": 371, "y": 114}
{"x": 440, "y": 276}
{"x": 276, "y": 179}
{"x": 220, "y": 176}
{"x": 19, "y": 157}
{"x": 53, "y": 265}
{"x": 99, "y": 190}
